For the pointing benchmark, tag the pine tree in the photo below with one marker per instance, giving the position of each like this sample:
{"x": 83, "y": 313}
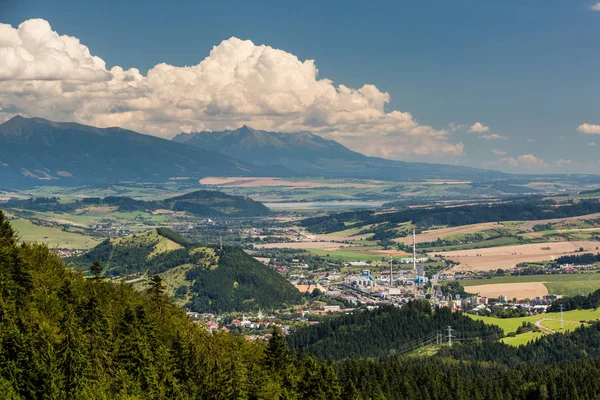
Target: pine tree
{"x": 96, "y": 270}
{"x": 73, "y": 363}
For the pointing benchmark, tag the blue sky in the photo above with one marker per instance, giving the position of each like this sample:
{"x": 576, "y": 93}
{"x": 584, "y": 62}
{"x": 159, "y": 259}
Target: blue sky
{"x": 524, "y": 69}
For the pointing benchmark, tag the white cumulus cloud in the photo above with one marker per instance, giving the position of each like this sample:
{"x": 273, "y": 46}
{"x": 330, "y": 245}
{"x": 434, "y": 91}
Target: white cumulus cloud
{"x": 478, "y": 127}
{"x": 525, "y": 160}
{"x": 499, "y": 152}
{"x": 595, "y": 7}
{"x": 589, "y": 128}
{"x": 55, "y": 76}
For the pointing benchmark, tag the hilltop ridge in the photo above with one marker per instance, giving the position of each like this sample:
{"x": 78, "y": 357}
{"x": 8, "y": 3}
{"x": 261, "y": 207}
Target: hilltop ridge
{"x": 203, "y": 278}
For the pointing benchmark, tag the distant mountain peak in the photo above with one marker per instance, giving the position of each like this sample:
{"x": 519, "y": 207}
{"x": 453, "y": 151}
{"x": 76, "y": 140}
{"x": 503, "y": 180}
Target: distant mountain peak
{"x": 307, "y": 154}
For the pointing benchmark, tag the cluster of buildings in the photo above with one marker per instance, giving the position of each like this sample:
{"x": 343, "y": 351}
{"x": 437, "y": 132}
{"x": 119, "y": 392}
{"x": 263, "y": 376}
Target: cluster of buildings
{"x": 112, "y": 231}
{"x": 482, "y": 303}
{"x": 64, "y": 253}
{"x": 260, "y": 324}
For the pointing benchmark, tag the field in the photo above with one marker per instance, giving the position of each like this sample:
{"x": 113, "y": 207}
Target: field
{"x": 444, "y": 233}
{"x": 531, "y": 286}
{"x": 522, "y": 339}
{"x": 53, "y": 237}
{"x": 573, "y": 288}
{"x": 529, "y": 290}
{"x": 507, "y": 257}
{"x": 356, "y": 254}
{"x": 530, "y": 224}
{"x": 291, "y": 183}
{"x": 302, "y": 245}
{"x": 549, "y": 321}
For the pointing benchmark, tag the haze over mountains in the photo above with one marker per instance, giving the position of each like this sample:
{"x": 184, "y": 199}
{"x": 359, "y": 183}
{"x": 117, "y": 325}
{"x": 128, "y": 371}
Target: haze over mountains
{"x": 307, "y": 154}
{"x": 36, "y": 151}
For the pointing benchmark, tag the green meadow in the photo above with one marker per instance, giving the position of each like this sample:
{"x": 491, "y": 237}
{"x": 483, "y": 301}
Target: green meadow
{"x": 52, "y": 236}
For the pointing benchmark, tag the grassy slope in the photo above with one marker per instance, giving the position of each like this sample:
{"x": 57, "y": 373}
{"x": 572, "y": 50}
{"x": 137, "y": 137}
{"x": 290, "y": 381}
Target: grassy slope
{"x": 522, "y": 339}
{"x": 53, "y": 237}
{"x": 572, "y": 319}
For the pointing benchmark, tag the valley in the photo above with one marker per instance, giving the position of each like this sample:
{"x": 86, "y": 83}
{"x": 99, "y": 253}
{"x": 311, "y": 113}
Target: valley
{"x": 390, "y": 200}
{"x": 320, "y": 254}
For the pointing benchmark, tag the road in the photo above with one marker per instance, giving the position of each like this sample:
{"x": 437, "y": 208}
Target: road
{"x": 543, "y": 328}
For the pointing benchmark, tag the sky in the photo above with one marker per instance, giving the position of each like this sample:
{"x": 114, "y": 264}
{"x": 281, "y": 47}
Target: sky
{"x": 499, "y": 84}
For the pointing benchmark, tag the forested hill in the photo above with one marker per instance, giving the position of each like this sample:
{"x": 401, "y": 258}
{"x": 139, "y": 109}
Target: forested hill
{"x": 201, "y": 203}
{"x": 65, "y": 337}
{"x": 453, "y": 216}
{"x": 386, "y": 330}
{"x": 203, "y": 278}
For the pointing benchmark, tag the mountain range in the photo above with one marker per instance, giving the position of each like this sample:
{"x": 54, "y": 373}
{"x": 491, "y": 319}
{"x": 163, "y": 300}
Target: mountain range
{"x": 36, "y": 151}
{"x": 307, "y": 154}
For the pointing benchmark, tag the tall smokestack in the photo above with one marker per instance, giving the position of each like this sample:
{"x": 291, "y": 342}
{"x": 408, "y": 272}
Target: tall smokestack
{"x": 414, "y": 250}
{"x": 391, "y": 272}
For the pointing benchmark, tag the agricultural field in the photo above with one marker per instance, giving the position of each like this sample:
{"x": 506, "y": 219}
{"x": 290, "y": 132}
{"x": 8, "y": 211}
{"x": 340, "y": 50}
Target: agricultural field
{"x": 357, "y": 254}
{"x": 291, "y": 183}
{"x": 549, "y": 322}
{"x": 531, "y": 286}
{"x": 52, "y": 236}
{"x": 529, "y": 290}
{"x": 302, "y": 245}
{"x": 507, "y": 257}
{"x": 135, "y": 191}
{"x": 447, "y": 233}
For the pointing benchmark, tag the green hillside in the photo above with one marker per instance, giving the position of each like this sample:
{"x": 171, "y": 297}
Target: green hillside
{"x": 203, "y": 278}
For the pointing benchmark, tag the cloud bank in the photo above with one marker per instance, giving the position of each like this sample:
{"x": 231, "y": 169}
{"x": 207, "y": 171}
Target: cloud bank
{"x": 55, "y": 76}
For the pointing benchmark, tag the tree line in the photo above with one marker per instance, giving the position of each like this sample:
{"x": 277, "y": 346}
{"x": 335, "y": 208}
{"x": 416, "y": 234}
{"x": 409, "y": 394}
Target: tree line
{"x": 528, "y": 210}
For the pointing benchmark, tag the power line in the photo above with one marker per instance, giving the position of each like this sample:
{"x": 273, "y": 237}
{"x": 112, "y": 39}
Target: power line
{"x": 450, "y": 336}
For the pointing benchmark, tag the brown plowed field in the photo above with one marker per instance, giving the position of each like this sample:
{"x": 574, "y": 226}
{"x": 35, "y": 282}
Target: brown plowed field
{"x": 507, "y": 257}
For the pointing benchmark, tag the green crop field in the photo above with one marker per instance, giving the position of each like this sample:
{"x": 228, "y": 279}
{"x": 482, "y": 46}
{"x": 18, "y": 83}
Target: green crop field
{"x": 508, "y": 325}
{"x": 573, "y": 288}
{"x": 53, "y": 237}
{"x": 521, "y": 339}
{"x": 347, "y": 255}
